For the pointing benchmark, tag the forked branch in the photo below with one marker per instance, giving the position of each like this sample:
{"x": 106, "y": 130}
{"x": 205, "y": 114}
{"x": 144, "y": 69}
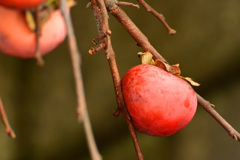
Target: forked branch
{"x": 133, "y": 30}
{"x": 143, "y": 42}
{"x": 101, "y": 17}
{"x": 99, "y": 7}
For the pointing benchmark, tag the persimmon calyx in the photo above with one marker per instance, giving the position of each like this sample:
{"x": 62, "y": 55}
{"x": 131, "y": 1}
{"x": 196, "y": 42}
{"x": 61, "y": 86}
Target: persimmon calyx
{"x": 147, "y": 58}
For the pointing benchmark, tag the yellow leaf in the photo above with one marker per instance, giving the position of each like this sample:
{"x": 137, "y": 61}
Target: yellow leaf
{"x": 30, "y": 20}
{"x": 146, "y": 58}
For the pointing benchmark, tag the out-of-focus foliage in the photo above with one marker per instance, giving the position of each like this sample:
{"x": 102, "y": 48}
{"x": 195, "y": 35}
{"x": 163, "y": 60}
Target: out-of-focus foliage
{"x": 41, "y": 102}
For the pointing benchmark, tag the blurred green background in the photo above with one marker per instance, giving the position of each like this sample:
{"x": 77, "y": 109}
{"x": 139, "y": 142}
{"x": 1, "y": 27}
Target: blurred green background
{"x": 41, "y": 102}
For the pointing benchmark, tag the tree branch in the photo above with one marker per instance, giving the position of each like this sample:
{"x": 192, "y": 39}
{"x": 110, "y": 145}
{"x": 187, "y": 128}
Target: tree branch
{"x": 157, "y": 15}
{"x": 209, "y": 108}
{"x": 143, "y": 42}
{"x": 76, "y": 62}
{"x": 101, "y": 17}
{"x": 121, "y": 3}
{"x": 133, "y": 30}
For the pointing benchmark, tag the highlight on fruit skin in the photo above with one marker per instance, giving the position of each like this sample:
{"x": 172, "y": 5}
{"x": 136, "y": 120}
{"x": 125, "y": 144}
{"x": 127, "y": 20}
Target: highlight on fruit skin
{"x": 18, "y": 40}
{"x": 21, "y": 4}
{"x": 159, "y": 103}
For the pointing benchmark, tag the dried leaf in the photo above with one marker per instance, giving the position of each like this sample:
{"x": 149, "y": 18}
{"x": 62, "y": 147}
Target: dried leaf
{"x": 160, "y": 64}
{"x": 188, "y": 79}
{"x": 146, "y": 58}
{"x": 176, "y": 70}
{"x": 163, "y": 65}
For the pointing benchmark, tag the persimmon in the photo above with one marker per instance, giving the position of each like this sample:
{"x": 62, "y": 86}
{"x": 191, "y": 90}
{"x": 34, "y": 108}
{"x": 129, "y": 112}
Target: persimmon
{"x": 17, "y": 39}
{"x": 159, "y": 103}
{"x": 21, "y": 4}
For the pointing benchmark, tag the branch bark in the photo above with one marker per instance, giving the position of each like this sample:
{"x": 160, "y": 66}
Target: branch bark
{"x": 76, "y": 62}
{"x": 133, "y": 30}
{"x": 101, "y": 17}
{"x": 38, "y": 56}
{"x": 103, "y": 28}
{"x": 209, "y": 108}
{"x": 121, "y": 3}
{"x": 157, "y": 15}
{"x": 143, "y": 42}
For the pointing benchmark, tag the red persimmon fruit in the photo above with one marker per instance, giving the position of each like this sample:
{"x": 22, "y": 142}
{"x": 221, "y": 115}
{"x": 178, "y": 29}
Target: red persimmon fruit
{"x": 159, "y": 103}
{"x": 21, "y": 4}
{"x": 17, "y": 39}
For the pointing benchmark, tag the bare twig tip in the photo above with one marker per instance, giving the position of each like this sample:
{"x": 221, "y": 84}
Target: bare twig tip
{"x": 91, "y": 51}
{"x": 89, "y": 5}
{"x": 4, "y": 118}
{"x": 94, "y": 50}
{"x": 109, "y": 32}
{"x": 234, "y": 136}
{"x": 159, "y": 16}
{"x": 212, "y": 105}
{"x": 127, "y": 4}
{"x": 172, "y": 32}
{"x": 10, "y": 133}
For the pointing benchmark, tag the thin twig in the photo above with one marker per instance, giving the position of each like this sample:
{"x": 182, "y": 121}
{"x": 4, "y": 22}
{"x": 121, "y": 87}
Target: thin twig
{"x": 89, "y": 5}
{"x": 121, "y": 3}
{"x": 209, "y": 108}
{"x": 134, "y": 31}
{"x": 142, "y": 41}
{"x": 8, "y": 128}
{"x": 76, "y": 62}
{"x": 158, "y": 15}
{"x": 38, "y": 55}
{"x": 101, "y": 17}
{"x": 121, "y": 104}
{"x": 103, "y": 21}
{"x": 101, "y": 37}
{"x": 94, "y": 50}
